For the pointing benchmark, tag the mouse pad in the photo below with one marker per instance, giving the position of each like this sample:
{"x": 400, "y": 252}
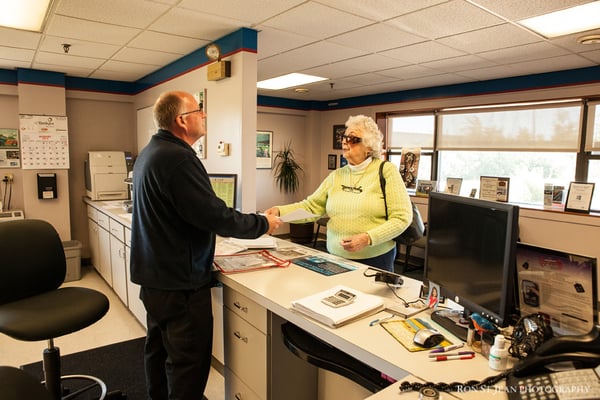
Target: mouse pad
{"x": 404, "y": 330}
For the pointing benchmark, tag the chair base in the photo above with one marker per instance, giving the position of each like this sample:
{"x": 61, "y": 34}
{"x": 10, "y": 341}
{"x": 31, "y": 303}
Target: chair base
{"x": 95, "y": 383}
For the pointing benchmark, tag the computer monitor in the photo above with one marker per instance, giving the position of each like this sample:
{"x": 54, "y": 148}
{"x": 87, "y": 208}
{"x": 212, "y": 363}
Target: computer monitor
{"x": 470, "y": 254}
{"x": 225, "y": 187}
{"x": 559, "y": 284}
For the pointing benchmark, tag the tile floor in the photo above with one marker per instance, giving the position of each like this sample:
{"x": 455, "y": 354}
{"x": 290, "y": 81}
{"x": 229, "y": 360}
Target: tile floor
{"x": 117, "y": 325}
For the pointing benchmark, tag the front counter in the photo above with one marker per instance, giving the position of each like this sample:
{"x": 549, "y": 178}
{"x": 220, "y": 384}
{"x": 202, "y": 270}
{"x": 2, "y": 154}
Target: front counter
{"x": 255, "y": 304}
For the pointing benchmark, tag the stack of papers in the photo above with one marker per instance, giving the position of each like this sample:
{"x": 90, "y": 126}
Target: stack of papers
{"x": 363, "y": 305}
{"x": 263, "y": 242}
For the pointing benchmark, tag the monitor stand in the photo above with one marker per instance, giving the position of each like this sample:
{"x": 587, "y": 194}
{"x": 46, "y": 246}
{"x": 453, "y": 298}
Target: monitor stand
{"x": 449, "y": 324}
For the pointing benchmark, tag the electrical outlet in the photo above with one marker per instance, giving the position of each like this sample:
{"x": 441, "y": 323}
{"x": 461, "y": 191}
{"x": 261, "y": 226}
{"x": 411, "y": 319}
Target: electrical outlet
{"x": 8, "y": 177}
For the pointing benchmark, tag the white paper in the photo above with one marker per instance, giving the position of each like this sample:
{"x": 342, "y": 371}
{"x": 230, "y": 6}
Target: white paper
{"x": 298, "y": 215}
{"x": 363, "y": 305}
{"x": 263, "y": 242}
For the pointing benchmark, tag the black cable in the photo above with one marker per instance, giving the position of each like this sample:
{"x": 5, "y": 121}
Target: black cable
{"x": 455, "y": 386}
{"x": 9, "y": 195}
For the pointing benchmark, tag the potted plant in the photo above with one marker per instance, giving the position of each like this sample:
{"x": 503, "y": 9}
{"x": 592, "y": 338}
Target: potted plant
{"x": 287, "y": 177}
{"x": 287, "y": 169}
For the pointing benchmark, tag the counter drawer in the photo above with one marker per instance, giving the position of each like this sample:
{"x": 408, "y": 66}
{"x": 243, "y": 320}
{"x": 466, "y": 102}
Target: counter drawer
{"x": 103, "y": 220}
{"x": 235, "y": 389}
{"x": 117, "y": 230}
{"x": 127, "y": 237}
{"x": 248, "y": 309}
{"x": 245, "y": 351}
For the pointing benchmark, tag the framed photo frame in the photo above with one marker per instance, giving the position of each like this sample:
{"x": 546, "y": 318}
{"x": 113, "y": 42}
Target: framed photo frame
{"x": 331, "y": 161}
{"x": 494, "y": 188}
{"x": 264, "y": 149}
{"x": 338, "y": 132}
{"x": 579, "y": 198}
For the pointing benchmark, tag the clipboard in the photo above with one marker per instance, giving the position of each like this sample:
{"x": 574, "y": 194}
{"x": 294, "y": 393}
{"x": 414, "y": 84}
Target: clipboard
{"x": 248, "y": 261}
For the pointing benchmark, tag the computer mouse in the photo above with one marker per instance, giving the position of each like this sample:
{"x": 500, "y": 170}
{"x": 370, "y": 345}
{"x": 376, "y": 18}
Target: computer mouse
{"x": 428, "y": 337}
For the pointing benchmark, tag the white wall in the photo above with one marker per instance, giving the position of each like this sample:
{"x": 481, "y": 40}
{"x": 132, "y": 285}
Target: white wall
{"x": 231, "y": 118}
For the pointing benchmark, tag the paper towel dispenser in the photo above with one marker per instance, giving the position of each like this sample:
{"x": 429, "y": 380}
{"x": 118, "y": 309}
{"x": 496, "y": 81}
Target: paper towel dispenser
{"x": 105, "y": 174}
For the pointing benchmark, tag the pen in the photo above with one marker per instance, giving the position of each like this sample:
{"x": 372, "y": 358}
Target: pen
{"x": 448, "y": 358}
{"x": 460, "y": 353}
{"x": 380, "y": 320}
{"x": 447, "y": 348}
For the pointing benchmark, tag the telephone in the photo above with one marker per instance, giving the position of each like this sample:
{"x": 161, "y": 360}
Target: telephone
{"x": 531, "y": 378}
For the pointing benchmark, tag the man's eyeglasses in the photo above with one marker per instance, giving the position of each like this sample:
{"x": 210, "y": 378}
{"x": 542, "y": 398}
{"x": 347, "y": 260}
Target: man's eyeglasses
{"x": 351, "y": 139}
{"x": 352, "y": 189}
{"x": 190, "y": 112}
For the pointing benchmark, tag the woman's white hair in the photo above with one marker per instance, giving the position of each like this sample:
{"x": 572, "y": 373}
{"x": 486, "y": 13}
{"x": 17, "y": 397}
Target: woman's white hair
{"x": 372, "y": 136}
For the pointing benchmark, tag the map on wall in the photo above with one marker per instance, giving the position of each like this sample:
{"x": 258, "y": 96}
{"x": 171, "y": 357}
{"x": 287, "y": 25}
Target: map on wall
{"x": 44, "y": 142}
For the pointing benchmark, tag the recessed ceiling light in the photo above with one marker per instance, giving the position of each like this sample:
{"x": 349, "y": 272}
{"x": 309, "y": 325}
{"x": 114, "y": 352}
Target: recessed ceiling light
{"x": 589, "y": 39}
{"x": 289, "y": 80}
{"x": 24, "y": 14}
{"x": 571, "y": 20}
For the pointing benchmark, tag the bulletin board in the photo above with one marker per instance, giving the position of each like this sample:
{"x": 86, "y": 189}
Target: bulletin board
{"x": 44, "y": 142}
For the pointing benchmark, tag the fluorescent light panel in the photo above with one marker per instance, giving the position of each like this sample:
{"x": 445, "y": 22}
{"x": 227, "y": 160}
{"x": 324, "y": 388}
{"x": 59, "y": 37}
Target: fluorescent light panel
{"x": 24, "y": 14}
{"x": 571, "y": 20}
{"x": 289, "y": 80}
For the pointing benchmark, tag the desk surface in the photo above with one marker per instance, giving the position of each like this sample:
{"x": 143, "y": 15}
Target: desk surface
{"x": 276, "y": 288}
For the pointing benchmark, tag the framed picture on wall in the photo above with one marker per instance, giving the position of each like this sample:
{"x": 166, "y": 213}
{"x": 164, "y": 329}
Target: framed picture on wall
{"x": 338, "y": 132}
{"x": 331, "y": 161}
{"x": 264, "y": 149}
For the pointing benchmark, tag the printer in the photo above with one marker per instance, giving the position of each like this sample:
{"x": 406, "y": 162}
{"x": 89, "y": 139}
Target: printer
{"x": 105, "y": 174}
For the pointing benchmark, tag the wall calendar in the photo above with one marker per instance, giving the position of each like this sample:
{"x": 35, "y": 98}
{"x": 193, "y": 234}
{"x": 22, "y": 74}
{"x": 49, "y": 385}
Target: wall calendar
{"x": 44, "y": 142}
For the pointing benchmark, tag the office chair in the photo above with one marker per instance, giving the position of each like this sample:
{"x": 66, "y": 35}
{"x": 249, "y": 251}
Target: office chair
{"x": 16, "y": 384}
{"x": 33, "y": 307}
{"x": 320, "y": 222}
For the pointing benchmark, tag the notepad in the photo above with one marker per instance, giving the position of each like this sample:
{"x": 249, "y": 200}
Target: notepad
{"x": 363, "y": 305}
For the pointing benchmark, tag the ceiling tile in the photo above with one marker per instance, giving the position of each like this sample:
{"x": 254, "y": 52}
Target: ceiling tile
{"x": 17, "y": 38}
{"x": 142, "y": 56}
{"x": 54, "y": 44}
{"x": 91, "y": 31}
{"x": 243, "y": 10}
{"x": 195, "y": 25}
{"x": 446, "y": 19}
{"x": 388, "y": 38}
{"x": 533, "y": 51}
{"x": 168, "y": 43}
{"x": 380, "y": 10}
{"x": 316, "y": 20}
{"x": 496, "y": 37}
{"x": 11, "y": 53}
{"x": 132, "y": 13}
{"x": 423, "y": 52}
{"x": 274, "y": 41}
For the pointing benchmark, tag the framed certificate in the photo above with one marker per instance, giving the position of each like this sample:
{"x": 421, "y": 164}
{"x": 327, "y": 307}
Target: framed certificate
{"x": 579, "y": 198}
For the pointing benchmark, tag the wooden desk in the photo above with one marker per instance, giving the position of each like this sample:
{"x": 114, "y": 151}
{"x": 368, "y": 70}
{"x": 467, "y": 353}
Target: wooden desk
{"x": 275, "y": 289}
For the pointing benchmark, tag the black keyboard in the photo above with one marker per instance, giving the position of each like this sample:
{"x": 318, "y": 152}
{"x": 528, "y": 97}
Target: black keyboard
{"x": 321, "y": 265}
{"x": 449, "y": 325}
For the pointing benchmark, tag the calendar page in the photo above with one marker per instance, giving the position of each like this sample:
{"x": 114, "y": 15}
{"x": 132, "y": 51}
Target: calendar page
{"x": 44, "y": 142}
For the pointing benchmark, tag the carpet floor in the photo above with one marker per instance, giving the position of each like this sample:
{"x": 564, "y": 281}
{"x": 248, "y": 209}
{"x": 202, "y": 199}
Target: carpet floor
{"x": 119, "y": 365}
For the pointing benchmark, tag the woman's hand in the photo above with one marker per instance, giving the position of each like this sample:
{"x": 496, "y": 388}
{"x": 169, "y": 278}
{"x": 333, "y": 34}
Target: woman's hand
{"x": 356, "y": 242}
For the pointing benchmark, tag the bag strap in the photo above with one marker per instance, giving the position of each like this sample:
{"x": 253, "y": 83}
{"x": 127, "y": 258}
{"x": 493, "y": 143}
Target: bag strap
{"x": 382, "y": 184}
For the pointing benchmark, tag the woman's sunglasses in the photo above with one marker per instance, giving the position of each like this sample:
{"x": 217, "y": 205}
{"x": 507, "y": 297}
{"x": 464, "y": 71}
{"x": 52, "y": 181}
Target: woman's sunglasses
{"x": 351, "y": 139}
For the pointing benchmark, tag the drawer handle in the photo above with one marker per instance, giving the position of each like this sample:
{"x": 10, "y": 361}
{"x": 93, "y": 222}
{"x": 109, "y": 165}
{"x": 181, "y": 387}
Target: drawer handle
{"x": 238, "y": 335}
{"x": 239, "y": 306}
{"x": 238, "y": 396}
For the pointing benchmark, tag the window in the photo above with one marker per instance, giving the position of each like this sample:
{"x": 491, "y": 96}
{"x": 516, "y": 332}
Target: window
{"x": 532, "y": 144}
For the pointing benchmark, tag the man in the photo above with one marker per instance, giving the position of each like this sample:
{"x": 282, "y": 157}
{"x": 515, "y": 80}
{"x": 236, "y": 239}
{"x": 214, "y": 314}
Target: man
{"x": 176, "y": 216}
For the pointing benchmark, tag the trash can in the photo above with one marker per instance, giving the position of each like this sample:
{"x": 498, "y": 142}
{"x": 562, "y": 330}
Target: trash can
{"x": 73, "y": 256}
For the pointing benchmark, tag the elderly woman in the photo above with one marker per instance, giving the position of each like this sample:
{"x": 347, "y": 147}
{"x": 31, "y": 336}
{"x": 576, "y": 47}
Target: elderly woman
{"x": 351, "y": 196}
